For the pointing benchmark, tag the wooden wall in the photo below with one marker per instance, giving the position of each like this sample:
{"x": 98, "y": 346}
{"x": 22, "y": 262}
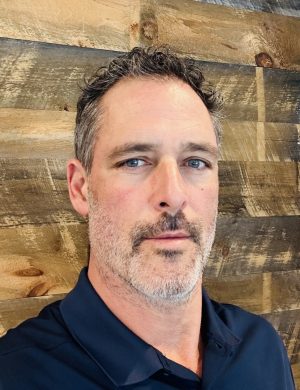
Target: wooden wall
{"x": 250, "y": 51}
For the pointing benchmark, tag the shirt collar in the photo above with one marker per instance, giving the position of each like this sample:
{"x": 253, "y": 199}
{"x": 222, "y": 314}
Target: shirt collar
{"x": 123, "y": 356}
{"x": 213, "y": 326}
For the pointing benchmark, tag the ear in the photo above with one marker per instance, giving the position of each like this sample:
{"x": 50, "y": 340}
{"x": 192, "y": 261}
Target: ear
{"x": 78, "y": 186}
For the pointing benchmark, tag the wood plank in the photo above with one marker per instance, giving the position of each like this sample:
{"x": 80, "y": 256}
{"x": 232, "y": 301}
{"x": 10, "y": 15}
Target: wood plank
{"x": 254, "y": 245}
{"x": 259, "y": 189}
{"x": 35, "y": 191}
{"x": 25, "y": 72}
{"x": 15, "y": 311}
{"x": 36, "y": 133}
{"x": 240, "y": 141}
{"x": 237, "y": 35}
{"x": 43, "y": 134}
{"x": 41, "y": 260}
{"x": 289, "y": 106}
{"x": 25, "y": 81}
{"x": 101, "y": 24}
{"x": 282, "y": 7}
{"x": 258, "y": 293}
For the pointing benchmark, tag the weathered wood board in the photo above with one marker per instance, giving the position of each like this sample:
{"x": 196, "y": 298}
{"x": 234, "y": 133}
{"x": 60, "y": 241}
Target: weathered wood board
{"x": 102, "y": 24}
{"x": 221, "y": 34}
{"x": 258, "y": 293}
{"x": 282, "y": 7}
{"x": 259, "y": 189}
{"x": 25, "y": 82}
{"x": 254, "y": 245}
{"x": 241, "y": 141}
{"x": 41, "y": 260}
{"x": 35, "y": 191}
{"x": 280, "y": 107}
{"x": 15, "y": 311}
{"x": 238, "y": 35}
{"x": 36, "y": 133}
{"x": 44, "y": 134}
{"x": 43, "y": 76}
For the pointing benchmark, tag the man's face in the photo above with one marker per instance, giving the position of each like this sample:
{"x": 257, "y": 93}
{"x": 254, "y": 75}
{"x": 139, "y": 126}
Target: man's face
{"x": 153, "y": 188}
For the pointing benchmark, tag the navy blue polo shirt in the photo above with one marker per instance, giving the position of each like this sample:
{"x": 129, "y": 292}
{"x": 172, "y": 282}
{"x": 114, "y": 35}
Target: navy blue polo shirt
{"x": 78, "y": 343}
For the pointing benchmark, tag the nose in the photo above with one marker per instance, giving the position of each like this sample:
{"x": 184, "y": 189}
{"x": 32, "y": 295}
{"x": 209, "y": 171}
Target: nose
{"x": 168, "y": 188}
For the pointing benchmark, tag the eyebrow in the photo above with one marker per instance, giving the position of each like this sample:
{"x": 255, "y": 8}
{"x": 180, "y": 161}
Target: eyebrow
{"x": 127, "y": 148}
{"x": 120, "y": 151}
{"x": 203, "y": 147}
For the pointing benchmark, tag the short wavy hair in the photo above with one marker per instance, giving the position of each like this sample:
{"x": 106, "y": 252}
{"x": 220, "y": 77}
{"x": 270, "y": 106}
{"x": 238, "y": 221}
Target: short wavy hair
{"x": 156, "y": 62}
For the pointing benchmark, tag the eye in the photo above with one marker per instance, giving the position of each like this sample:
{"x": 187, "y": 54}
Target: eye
{"x": 132, "y": 163}
{"x": 196, "y": 163}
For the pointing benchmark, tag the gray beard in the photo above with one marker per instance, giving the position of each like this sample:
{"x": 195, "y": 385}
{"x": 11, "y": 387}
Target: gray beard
{"x": 123, "y": 257}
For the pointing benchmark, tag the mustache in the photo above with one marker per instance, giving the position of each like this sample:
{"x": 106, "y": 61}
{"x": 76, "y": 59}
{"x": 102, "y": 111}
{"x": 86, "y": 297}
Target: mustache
{"x": 166, "y": 223}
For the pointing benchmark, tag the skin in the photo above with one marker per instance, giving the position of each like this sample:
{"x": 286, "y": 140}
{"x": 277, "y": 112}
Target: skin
{"x": 131, "y": 190}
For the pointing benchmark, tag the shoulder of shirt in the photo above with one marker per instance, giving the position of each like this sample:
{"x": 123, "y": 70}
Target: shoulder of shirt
{"x": 46, "y": 331}
{"x": 244, "y": 323}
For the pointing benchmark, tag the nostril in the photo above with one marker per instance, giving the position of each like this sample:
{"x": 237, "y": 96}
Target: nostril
{"x": 163, "y": 204}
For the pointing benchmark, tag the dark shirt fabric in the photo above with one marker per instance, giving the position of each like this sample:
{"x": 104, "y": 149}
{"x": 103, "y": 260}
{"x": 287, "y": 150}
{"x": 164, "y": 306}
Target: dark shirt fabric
{"x": 78, "y": 343}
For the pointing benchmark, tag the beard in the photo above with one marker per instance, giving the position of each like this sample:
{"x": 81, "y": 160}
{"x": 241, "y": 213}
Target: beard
{"x": 161, "y": 276}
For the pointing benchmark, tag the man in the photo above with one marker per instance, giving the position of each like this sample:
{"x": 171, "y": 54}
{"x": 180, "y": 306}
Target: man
{"x": 146, "y": 175}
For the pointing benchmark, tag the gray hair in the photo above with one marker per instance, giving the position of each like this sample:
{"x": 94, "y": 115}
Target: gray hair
{"x": 156, "y": 62}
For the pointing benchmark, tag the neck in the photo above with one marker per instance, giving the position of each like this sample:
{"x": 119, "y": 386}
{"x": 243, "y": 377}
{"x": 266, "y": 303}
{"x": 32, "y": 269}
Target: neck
{"x": 172, "y": 328}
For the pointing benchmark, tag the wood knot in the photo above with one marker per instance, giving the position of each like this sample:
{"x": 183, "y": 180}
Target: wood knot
{"x": 134, "y": 27}
{"x": 150, "y": 30}
{"x": 225, "y": 250}
{"x": 29, "y": 272}
{"x": 38, "y": 290}
{"x": 264, "y": 60}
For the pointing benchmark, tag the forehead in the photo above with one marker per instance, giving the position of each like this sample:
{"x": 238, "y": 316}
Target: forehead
{"x": 145, "y": 109}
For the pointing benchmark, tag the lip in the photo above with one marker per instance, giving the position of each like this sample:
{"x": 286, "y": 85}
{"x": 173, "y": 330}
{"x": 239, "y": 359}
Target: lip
{"x": 170, "y": 236}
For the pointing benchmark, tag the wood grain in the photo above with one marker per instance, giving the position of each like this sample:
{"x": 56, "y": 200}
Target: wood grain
{"x": 102, "y": 24}
{"x": 289, "y": 83}
{"x": 240, "y": 141}
{"x": 15, "y": 311}
{"x": 41, "y": 260}
{"x": 34, "y": 192}
{"x": 254, "y": 246}
{"x": 44, "y": 76}
{"x": 282, "y": 7}
{"x": 258, "y": 293}
{"x": 25, "y": 81}
{"x": 237, "y": 35}
{"x": 36, "y": 133}
{"x": 259, "y": 189}
{"x": 43, "y": 134}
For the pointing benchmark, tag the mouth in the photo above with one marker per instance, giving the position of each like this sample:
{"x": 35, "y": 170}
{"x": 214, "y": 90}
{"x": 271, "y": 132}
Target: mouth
{"x": 170, "y": 236}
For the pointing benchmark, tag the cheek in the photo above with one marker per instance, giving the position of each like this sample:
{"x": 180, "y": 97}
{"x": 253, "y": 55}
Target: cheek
{"x": 206, "y": 202}
{"x": 120, "y": 200}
